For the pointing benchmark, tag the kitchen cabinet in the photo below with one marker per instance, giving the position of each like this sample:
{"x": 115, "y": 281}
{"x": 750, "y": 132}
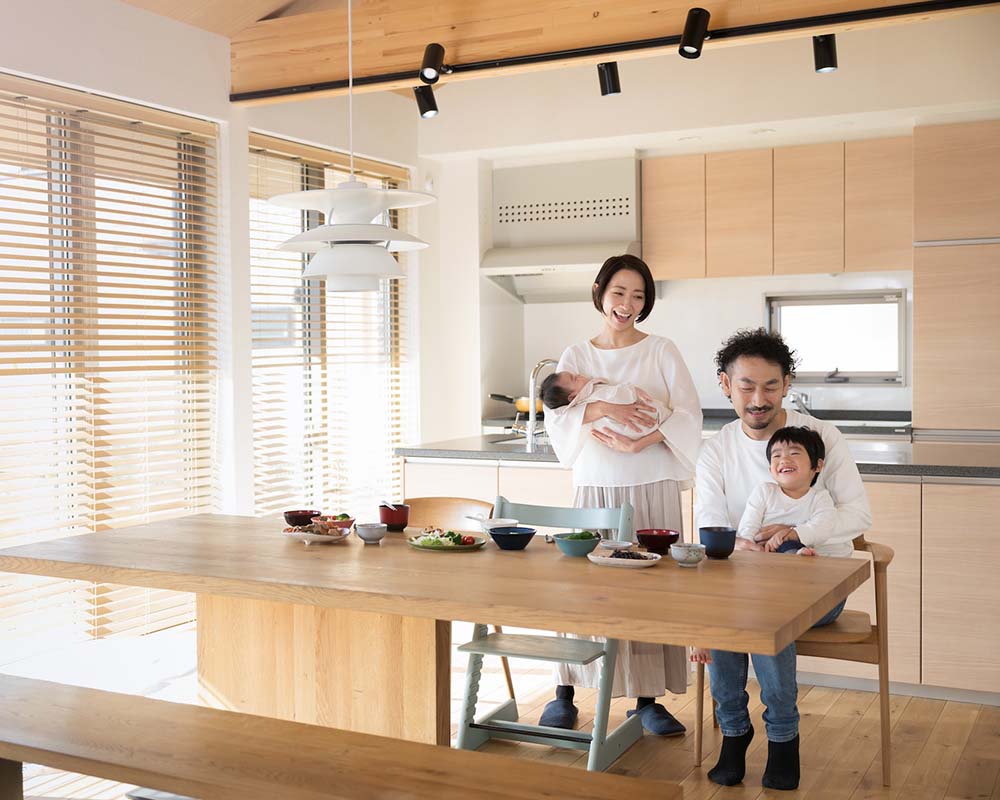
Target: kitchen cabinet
{"x": 878, "y": 204}
{"x": 961, "y": 595}
{"x": 957, "y": 181}
{"x": 448, "y": 478}
{"x": 739, "y": 213}
{"x": 895, "y": 523}
{"x": 673, "y": 216}
{"x": 956, "y": 337}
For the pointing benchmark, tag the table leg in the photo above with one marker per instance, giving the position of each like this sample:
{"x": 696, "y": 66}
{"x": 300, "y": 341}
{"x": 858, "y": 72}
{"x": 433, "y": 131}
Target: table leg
{"x": 11, "y": 780}
{"x": 372, "y": 673}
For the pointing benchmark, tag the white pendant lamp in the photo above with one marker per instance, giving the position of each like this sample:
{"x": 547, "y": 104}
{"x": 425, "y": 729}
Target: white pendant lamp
{"x": 353, "y": 242}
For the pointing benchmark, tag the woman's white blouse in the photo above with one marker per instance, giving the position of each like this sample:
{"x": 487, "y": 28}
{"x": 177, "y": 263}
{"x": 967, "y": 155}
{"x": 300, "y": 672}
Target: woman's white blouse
{"x": 654, "y": 364}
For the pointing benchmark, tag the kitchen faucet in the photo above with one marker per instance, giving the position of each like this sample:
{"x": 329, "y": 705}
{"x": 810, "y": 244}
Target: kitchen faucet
{"x": 533, "y": 399}
{"x": 800, "y": 400}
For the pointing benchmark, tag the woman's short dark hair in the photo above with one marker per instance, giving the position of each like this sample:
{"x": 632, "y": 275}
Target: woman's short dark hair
{"x": 811, "y": 441}
{"x": 756, "y": 343}
{"x": 616, "y": 264}
{"x": 553, "y": 395}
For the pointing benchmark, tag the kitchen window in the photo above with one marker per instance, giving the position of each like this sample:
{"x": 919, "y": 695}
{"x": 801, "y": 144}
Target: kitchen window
{"x": 331, "y": 370}
{"x": 108, "y": 342}
{"x": 849, "y": 337}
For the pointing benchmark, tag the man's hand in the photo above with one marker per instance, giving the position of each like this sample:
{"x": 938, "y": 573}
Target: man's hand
{"x": 787, "y": 535}
{"x": 746, "y": 544}
{"x": 769, "y": 531}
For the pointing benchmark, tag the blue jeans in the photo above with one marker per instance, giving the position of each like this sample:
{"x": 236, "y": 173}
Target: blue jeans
{"x": 778, "y": 689}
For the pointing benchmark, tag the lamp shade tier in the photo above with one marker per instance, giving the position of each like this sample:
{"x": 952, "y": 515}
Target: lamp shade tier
{"x": 355, "y": 262}
{"x": 352, "y": 201}
{"x": 378, "y": 235}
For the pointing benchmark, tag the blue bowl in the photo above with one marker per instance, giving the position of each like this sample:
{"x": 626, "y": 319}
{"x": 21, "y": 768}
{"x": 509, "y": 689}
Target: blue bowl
{"x": 576, "y": 547}
{"x": 719, "y": 542}
{"x": 515, "y": 538}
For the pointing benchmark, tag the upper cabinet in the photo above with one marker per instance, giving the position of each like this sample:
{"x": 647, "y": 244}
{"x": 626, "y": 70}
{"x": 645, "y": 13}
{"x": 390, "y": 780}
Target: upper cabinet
{"x": 673, "y": 216}
{"x": 957, "y": 181}
{"x": 738, "y": 213}
{"x": 809, "y": 209}
{"x": 878, "y": 204}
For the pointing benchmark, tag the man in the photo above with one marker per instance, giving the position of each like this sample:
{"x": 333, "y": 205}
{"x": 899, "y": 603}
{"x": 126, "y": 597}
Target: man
{"x": 755, "y": 371}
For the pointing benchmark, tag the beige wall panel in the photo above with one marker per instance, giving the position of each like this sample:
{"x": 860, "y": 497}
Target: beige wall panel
{"x": 673, "y": 216}
{"x": 878, "y": 204}
{"x": 957, "y": 181}
{"x": 896, "y": 524}
{"x": 809, "y": 209}
{"x": 739, "y": 217}
{"x": 961, "y": 551}
{"x": 450, "y": 480}
{"x": 956, "y": 337}
{"x": 537, "y": 486}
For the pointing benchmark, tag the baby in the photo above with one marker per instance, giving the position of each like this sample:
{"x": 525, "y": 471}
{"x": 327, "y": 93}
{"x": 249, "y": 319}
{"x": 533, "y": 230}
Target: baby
{"x": 796, "y": 458}
{"x": 570, "y": 389}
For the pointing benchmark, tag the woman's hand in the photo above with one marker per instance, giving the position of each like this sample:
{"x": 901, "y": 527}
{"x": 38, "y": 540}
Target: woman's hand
{"x": 636, "y": 415}
{"x": 623, "y": 444}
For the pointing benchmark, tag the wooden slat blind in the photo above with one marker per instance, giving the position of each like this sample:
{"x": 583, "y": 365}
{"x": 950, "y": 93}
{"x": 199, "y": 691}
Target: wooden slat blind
{"x": 331, "y": 376}
{"x": 108, "y": 340}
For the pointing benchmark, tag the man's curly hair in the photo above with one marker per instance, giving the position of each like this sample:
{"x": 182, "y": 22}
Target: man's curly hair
{"x": 759, "y": 343}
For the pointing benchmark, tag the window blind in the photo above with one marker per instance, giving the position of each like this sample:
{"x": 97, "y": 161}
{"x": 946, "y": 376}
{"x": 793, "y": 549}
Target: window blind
{"x": 331, "y": 375}
{"x": 108, "y": 326}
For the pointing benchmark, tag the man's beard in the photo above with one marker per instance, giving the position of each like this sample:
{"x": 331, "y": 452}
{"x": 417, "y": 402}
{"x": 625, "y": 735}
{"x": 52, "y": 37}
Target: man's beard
{"x": 762, "y": 422}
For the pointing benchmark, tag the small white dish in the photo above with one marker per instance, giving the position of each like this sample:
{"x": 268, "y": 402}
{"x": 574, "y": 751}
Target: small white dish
{"x": 316, "y": 538}
{"x": 370, "y": 532}
{"x": 647, "y": 560}
{"x": 485, "y": 524}
{"x": 612, "y": 544}
{"x": 687, "y": 554}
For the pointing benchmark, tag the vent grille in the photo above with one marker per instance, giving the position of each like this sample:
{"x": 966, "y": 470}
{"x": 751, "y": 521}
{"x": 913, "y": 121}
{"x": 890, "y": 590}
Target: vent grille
{"x": 564, "y": 209}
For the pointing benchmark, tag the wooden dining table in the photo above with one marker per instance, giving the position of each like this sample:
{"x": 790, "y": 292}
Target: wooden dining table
{"x": 358, "y": 636}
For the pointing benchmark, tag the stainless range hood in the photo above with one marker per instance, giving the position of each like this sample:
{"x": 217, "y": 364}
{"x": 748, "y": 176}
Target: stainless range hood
{"x": 554, "y": 225}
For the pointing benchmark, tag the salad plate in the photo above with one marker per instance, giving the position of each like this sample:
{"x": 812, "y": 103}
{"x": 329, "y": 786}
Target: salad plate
{"x": 309, "y": 537}
{"x": 440, "y": 542}
{"x": 645, "y": 560}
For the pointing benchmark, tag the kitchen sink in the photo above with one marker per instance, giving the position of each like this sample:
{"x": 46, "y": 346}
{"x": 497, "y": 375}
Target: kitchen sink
{"x": 518, "y": 442}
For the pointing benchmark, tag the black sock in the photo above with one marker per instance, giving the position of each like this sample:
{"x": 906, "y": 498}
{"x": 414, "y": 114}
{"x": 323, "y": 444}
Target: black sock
{"x": 564, "y": 693}
{"x": 782, "y": 770}
{"x": 732, "y": 764}
{"x": 642, "y": 702}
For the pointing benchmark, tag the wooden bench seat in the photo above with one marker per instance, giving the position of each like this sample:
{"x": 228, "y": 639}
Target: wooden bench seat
{"x": 208, "y": 754}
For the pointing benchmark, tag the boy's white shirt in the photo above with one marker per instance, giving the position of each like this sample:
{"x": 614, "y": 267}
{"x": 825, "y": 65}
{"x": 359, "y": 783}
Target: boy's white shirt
{"x": 814, "y": 517}
{"x": 731, "y": 466}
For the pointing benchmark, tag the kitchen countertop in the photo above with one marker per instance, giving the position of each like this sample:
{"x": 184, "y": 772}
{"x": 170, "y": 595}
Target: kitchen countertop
{"x": 889, "y": 457}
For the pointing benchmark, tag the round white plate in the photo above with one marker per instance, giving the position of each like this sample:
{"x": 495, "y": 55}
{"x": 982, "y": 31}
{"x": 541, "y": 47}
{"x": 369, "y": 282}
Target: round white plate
{"x": 626, "y": 563}
{"x": 611, "y": 544}
{"x": 315, "y": 538}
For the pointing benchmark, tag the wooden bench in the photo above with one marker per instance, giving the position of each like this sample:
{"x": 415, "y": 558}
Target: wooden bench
{"x": 209, "y": 754}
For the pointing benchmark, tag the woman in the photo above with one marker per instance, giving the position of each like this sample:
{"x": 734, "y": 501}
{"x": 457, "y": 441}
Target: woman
{"x": 610, "y": 468}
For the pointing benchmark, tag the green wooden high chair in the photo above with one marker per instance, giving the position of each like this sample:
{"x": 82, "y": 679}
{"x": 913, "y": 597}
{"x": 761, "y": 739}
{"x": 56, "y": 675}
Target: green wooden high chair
{"x": 502, "y": 723}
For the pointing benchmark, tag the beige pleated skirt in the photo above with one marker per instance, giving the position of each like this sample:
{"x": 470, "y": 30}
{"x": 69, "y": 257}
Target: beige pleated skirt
{"x": 642, "y": 669}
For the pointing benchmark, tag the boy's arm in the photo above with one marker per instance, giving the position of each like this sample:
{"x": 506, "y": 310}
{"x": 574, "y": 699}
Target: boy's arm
{"x": 822, "y": 524}
{"x": 753, "y": 516}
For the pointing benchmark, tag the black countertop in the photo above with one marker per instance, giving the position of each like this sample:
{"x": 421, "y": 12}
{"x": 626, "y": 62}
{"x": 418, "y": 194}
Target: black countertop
{"x": 889, "y": 458}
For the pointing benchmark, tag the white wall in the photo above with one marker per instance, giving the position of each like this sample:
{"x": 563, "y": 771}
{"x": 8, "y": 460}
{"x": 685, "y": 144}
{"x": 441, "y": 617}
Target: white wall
{"x": 700, "y": 314}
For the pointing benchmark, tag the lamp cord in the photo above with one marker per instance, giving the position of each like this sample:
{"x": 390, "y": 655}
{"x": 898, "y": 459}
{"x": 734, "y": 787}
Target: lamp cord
{"x": 350, "y": 85}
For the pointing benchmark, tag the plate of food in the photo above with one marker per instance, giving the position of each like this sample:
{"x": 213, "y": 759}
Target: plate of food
{"x": 627, "y": 559}
{"x": 446, "y": 541}
{"x": 316, "y": 534}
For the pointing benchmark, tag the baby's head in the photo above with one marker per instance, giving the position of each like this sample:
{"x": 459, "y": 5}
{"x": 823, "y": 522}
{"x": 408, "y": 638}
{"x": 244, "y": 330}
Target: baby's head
{"x": 560, "y": 388}
{"x": 796, "y": 457}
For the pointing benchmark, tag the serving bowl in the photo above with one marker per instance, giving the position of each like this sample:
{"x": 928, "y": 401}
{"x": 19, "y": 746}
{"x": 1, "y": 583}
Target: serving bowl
{"x": 719, "y": 542}
{"x": 657, "y": 540}
{"x": 512, "y": 537}
{"x": 687, "y": 554}
{"x": 575, "y": 547}
{"x": 328, "y": 522}
{"x": 300, "y": 518}
{"x": 371, "y": 532}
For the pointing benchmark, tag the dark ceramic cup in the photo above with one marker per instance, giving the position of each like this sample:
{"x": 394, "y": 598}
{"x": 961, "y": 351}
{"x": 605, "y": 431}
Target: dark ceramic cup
{"x": 719, "y": 542}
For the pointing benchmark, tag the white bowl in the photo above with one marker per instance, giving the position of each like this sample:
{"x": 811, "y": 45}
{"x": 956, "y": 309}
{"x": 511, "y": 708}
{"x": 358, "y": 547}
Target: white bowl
{"x": 687, "y": 554}
{"x": 497, "y": 523}
{"x": 370, "y": 532}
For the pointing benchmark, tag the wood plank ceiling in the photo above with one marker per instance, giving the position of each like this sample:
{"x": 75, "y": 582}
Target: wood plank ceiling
{"x": 279, "y": 44}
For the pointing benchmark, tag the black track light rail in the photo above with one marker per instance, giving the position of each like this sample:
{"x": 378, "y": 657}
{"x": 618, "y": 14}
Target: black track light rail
{"x": 821, "y": 21}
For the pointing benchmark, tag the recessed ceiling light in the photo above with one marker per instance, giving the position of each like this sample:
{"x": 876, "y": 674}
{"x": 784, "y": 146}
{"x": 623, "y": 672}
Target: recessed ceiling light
{"x": 759, "y": 131}
{"x": 689, "y": 139}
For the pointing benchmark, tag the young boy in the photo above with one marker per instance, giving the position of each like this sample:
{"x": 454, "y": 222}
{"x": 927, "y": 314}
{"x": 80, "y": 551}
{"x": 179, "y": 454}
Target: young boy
{"x": 570, "y": 389}
{"x": 796, "y": 458}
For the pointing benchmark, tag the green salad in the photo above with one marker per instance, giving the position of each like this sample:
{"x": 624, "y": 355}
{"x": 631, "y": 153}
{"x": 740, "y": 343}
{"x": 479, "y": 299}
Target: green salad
{"x": 582, "y": 535}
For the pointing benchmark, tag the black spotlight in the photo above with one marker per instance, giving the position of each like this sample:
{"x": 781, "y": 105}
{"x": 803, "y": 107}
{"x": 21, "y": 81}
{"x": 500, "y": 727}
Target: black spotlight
{"x": 425, "y": 101}
{"x": 695, "y": 32}
{"x": 608, "y": 75}
{"x": 825, "y": 52}
{"x": 433, "y": 64}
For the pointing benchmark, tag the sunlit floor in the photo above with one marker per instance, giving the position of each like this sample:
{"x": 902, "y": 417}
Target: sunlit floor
{"x": 941, "y": 750}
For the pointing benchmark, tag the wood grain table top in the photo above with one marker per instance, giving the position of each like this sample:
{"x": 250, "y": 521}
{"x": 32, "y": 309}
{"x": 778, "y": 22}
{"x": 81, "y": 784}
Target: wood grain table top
{"x": 751, "y": 602}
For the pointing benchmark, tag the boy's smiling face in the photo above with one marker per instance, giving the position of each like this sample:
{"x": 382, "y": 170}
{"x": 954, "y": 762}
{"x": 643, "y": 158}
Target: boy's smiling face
{"x": 791, "y": 467}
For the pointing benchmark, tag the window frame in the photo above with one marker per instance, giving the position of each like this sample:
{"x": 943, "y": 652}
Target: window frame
{"x": 773, "y": 303}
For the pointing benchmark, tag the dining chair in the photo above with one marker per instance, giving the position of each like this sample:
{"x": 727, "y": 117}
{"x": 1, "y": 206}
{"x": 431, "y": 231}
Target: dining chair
{"x": 451, "y": 513}
{"x": 502, "y": 723}
{"x": 851, "y": 637}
